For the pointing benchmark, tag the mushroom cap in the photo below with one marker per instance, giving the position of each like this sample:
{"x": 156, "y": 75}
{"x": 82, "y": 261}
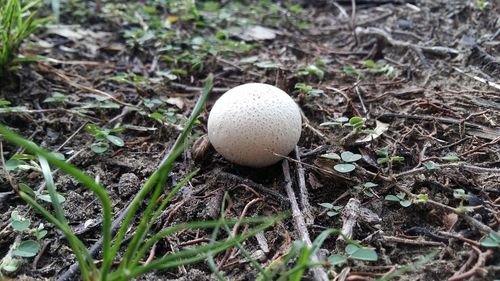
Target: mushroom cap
{"x": 251, "y": 121}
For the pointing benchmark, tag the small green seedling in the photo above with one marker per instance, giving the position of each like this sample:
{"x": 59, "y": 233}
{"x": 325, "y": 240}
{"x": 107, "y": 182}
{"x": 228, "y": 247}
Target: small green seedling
{"x": 366, "y": 188}
{"x": 357, "y": 123}
{"x": 492, "y": 240}
{"x": 22, "y": 162}
{"x": 462, "y": 196}
{"x": 312, "y": 70}
{"x": 99, "y": 102}
{"x": 41, "y": 195}
{"x": 308, "y": 90}
{"x": 18, "y": 20}
{"x": 103, "y": 137}
{"x": 345, "y": 156}
{"x": 22, "y": 248}
{"x": 353, "y": 252}
{"x": 386, "y": 70}
{"x": 352, "y": 71}
{"x": 333, "y": 209}
{"x": 168, "y": 115}
{"x": 384, "y": 158}
{"x": 400, "y": 197}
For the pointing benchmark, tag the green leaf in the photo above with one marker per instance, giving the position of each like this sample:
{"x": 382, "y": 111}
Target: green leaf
{"x": 451, "y": 158}
{"x": 40, "y": 234}
{"x": 368, "y": 193}
{"x": 370, "y": 184}
{"x": 364, "y": 254}
{"x": 12, "y": 164}
{"x": 392, "y": 198}
{"x": 337, "y": 260}
{"x": 382, "y": 160}
{"x": 422, "y": 198}
{"x": 405, "y": 203}
{"x": 344, "y": 168}
{"x": 356, "y": 120}
{"x": 58, "y": 155}
{"x": 342, "y": 119}
{"x": 382, "y": 152}
{"x": 351, "y": 248}
{"x": 460, "y": 194}
{"x": 10, "y": 265}
{"x": 27, "y": 249}
{"x": 332, "y": 213}
{"x": 326, "y": 205}
{"x": 99, "y": 147}
{"x": 333, "y": 156}
{"x": 93, "y": 129}
{"x": 492, "y": 240}
{"x": 26, "y": 189}
{"x": 348, "y": 156}
{"x": 370, "y": 64}
{"x": 46, "y": 197}
{"x": 5, "y": 102}
{"x": 431, "y": 165}
{"x": 157, "y": 116}
{"x": 20, "y": 225}
{"x": 115, "y": 140}
{"x": 397, "y": 158}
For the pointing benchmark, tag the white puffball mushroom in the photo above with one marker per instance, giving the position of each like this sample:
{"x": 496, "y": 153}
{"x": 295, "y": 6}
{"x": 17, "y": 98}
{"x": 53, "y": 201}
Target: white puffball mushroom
{"x": 251, "y": 121}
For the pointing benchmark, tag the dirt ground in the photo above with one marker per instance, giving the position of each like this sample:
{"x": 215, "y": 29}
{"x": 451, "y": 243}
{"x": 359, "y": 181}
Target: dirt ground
{"x": 418, "y": 71}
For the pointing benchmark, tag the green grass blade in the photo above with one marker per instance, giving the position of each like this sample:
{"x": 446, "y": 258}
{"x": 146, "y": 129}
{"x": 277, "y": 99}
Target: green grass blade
{"x": 76, "y": 173}
{"x": 151, "y": 182}
{"x": 77, "y": 245}
{"x": 151, "y": 219}
{"x": 194, "y": 255}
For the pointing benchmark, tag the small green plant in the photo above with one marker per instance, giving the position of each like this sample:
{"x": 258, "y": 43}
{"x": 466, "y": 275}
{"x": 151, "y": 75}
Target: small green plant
{"x": 352, "y": 71}
{"x": 366, "y": 188}
{"x": 387, "y": 70}
{"x": 308, "y": 90}
{"x": 333, "y": 209}
{"x": 354, "y": 252}
{"x": 168, "y": 115}
{"x": 121, "y": 259}
{"x": 384, "y": 158}
{"x": 347, "y": 157}
{"x": 17, "y": 22}
{"x": 481, "y": 4}
{"x": 26, "y": 248}
{"x": 492, "y": 240}
{"x": 356, "y": 123}
{"x": 313, "y": 70}
{"x": 400, "y": 198}
{"x": 22, "y": 162}
{"x": 103, "y": 137}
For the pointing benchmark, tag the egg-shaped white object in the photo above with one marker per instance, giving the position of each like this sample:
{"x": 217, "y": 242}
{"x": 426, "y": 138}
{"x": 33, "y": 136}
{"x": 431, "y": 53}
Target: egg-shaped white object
{"x": 251, "y": 122}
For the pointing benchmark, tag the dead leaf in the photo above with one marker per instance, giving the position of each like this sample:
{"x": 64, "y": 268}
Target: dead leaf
{"x": 177, "y": 101}
{"x": 380, "y": 128}
{"x": 257, "y": 33}
{"x": 449, "y": 220}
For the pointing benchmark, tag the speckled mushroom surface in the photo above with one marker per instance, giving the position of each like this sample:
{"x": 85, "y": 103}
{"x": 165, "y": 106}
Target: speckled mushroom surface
{"x": 251, "y": 121}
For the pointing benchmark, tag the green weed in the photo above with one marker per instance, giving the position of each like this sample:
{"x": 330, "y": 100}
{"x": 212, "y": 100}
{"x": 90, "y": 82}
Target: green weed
{"x": 17, "y": 22}
{"x": 127, "y": 265}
